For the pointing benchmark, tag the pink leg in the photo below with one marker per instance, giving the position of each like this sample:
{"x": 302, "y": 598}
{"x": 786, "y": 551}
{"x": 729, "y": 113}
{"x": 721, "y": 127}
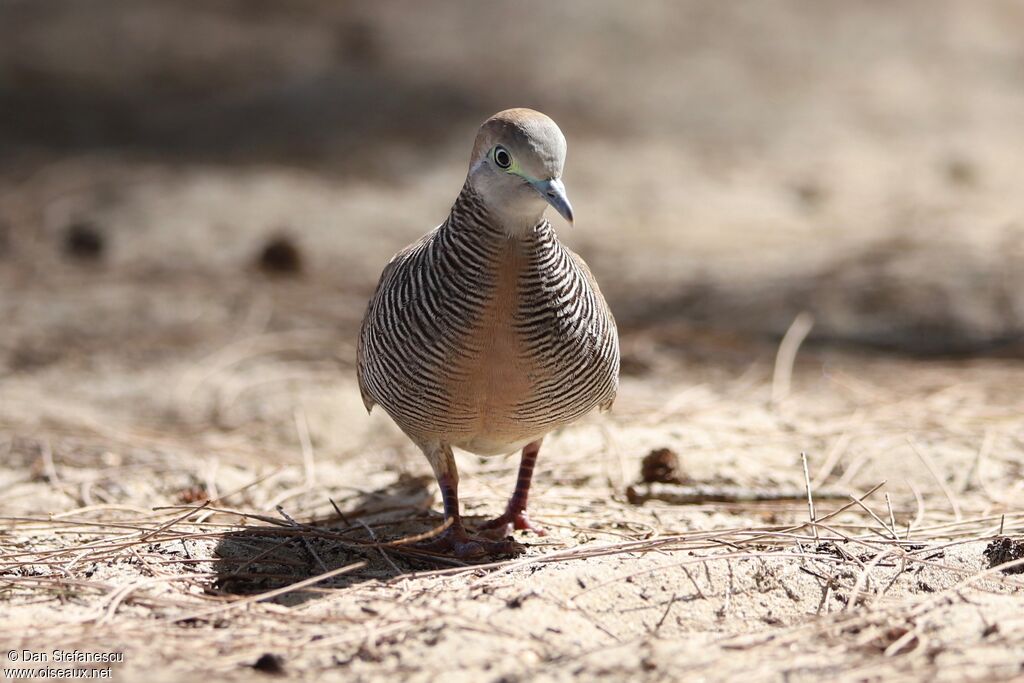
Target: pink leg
{"x": 454, "y": 539}
{"x": 515, "y": 516}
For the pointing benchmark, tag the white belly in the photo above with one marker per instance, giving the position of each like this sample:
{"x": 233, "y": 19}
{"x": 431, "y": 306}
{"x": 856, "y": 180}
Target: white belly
{"x": 495, "y": 444}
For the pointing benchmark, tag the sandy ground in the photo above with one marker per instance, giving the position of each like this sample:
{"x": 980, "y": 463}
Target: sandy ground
{"x": 139, "y": 384}
{"x": 731, "y": 165}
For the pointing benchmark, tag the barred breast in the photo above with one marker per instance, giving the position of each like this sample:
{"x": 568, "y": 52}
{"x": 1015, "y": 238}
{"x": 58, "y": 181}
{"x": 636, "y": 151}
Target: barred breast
{"x": 487, "y": 342}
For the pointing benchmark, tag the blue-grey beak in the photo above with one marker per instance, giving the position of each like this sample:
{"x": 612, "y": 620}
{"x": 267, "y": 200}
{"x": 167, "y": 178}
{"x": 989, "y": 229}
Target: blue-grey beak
{"x": 553, "y": 191}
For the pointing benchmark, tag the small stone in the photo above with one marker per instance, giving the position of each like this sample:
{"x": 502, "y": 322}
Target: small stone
{"x": 661, "y": 466}
{"x": 270, "y": 664}
{"x": 961, "y": 172}
{"x": 810, "y": 195}
{"x": 83, "y": 241}
{"x": 280, "y": 256}
{"x": 1003, "y": 550}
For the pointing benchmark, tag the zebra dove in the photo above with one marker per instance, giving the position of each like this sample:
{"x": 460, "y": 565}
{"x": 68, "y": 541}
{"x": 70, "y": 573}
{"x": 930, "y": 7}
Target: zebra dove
{"x": 488, "y": 333}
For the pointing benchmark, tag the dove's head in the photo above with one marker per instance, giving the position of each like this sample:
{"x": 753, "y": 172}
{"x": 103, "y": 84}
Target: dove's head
{"x": 516, "y": 168}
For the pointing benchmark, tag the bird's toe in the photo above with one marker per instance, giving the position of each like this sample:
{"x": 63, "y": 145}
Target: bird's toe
{"x": 510, "y": 521}
{"x": 459, "y": 544}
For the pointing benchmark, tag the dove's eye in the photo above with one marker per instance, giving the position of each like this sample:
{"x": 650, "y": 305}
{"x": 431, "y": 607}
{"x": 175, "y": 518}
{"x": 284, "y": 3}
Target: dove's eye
{"x": 502, "y": 158}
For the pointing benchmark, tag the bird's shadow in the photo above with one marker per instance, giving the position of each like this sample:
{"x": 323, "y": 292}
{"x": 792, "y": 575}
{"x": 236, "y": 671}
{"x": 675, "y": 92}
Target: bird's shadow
{"x": 263, "y": 558}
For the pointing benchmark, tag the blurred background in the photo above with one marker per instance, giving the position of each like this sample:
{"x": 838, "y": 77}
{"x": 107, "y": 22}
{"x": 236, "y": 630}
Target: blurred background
{"x": 197, "y": 198}
{"x": 229, "y": 165}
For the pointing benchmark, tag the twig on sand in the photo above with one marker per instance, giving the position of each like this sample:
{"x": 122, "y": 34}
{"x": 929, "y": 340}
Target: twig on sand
{"x": 664, "y": 615}
{"x": 891, "y": 530}
{"x": 695, "y": 494}
{"x": 810, "y": 496}
{"x": 785, "y": 358}
{"x": 892, "y": 516}
{"x": 383, "y": 553}
{"x": 306, "y": 443}
{"x": 305, "y": 540}
{"x": 927, "y": 461}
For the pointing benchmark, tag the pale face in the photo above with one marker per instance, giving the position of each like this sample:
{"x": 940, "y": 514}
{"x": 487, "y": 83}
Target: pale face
{"x": 517, "y": 168}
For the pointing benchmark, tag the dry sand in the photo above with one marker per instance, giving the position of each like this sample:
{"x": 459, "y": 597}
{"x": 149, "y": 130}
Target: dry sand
{"x": 133, "y": 391}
